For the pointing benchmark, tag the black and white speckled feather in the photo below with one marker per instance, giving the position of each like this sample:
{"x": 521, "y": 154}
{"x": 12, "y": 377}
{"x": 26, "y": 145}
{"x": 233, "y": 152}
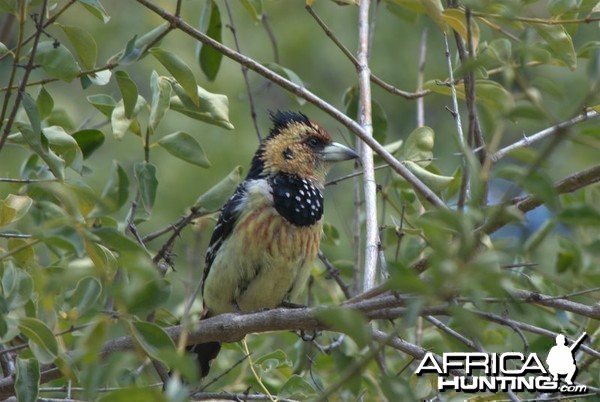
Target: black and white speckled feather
{"x": 298, "y": 200}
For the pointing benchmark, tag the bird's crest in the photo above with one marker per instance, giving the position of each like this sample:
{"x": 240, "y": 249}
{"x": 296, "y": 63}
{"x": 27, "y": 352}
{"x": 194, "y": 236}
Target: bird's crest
{"x": 281, "y": 120}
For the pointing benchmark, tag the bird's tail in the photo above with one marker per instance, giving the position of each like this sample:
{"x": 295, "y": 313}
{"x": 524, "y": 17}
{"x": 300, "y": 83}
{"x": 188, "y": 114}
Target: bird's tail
{"x": 206, "y": 353}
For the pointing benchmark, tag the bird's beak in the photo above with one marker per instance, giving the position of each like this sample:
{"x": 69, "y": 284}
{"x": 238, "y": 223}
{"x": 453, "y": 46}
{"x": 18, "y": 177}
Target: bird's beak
{"x": 337, "y": 152}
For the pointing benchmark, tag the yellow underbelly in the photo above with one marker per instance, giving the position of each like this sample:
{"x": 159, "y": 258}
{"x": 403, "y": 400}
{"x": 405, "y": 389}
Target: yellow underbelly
{"x": 264, "y": 262}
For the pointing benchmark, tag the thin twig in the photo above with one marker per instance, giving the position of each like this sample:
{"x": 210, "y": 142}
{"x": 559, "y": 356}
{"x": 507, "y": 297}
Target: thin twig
{"x": 24, "y": 181}
{"x": 15, "y": 236}
{"x": 464, "y": 185}
{"x": 6, "y": 362}
{"x": 162, "y": 254}
{"x": 421, "y": 79}
{"x": 334, "y": 273}
{"x": 528, "y": 140}
{"x": 272, "y": 37}
{"x": 540, "y": 21}
{"x": 376, "y": 80}
{"x": 529, "y": 328}
{"x": 244, "y": 72}
{"x": 223, "y": 374}
{"x": 251, "y": 364}
{"x": 469, "y": 343}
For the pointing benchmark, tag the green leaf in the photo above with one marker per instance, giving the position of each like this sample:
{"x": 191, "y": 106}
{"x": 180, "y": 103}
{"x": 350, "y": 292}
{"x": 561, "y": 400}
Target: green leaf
{"x": 186, "y": 365}
{"x": 179, "y": 70}
{"x": 44, "y": 103}
{"x": 65, "y": 146}
{"x": 331, "y": 236}
{"x": 488, "y": 91}
{"x": 17, "y": 287}
{"x": 214, "y": 198}
{"x": 289, "y": 75}
{"x": 22, "y": 252}
{"x": 145, "y": 173}
{"x": 27, "y": 382}
{"x": 161, "y": 99}
{"x": 213, "y": 108}
{"x": 86, "y": 294}
{"x": 3, "y": 49}
{"x": 297, "y": 387}
{"x": 56, "y": 164}
{"x": 348, "y": 322}
{"x": 210, "y": 23}
{"x": 152, "y": 338}
{"x": 580, "y": 215}
{"x": 13, "y": 208}
{"x": 104, "y": 103}
{"x": 129, "y": 92}
{"x": 137, "y": 47}
{"x": 57, "y": 62}
{"x": 135, "y": 394}
{"x": 273, "y": 360}
{"x": 116, "y": 191}
{"x": 83, "y": 43}
{"x": 434, "y": 9}
{"x": 40, "y": 334}
{"x": 89, "y": 140}
{"x": 33, "y": 114}
{"x": 560, "y": 43}
{"x": 254, "y": 8}
{"x": 393, "y": 147}
{"x": 99, "y": 77}
{"x": 435, "y": 182}
{"x": 457, "y": 20}
{"x": 185, "y": 147}
{"x": 7, "y": 214}
{"x": 120, "y": 122}
{"x": 9, "y": 6}
{"x": 539, "y": 235}
{"x": 419, "y": 146}
{"x": 96, "y": 8}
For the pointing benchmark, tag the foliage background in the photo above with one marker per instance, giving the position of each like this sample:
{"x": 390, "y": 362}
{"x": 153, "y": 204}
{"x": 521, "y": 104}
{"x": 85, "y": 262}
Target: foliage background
{"x": 534, "y": 89}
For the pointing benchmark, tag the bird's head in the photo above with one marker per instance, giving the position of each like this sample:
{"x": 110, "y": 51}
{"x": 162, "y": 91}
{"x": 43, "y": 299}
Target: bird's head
{"x": 297, "y": 145}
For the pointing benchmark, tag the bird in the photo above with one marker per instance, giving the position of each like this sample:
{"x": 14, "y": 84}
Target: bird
{"x": 268, "y": 233}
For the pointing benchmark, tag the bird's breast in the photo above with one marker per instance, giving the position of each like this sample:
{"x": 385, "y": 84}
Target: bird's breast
{"x": 269, "y": 235}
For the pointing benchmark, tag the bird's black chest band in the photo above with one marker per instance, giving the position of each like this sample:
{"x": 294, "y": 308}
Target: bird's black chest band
{"x": 297, "y": 200}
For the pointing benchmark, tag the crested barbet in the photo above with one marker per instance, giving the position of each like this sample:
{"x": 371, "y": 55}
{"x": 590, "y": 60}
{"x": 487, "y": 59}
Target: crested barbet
{"x": 267, "y": 236}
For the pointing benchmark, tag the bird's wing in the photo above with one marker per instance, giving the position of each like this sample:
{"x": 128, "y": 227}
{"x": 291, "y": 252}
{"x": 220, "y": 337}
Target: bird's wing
{"x": 227, "y": 220}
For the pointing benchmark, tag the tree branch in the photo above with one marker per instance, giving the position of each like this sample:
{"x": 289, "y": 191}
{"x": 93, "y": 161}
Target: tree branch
{"x": 547, "y": 132}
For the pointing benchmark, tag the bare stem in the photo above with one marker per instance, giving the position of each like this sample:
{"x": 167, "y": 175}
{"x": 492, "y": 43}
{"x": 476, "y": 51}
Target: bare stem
{"x": 366, "y": 156}
{"x": 244, "y": 72}
{"x": 464, "y": 186}
{"x": 376, "y": 80}
{"x": 421, "y": 79}
{"x": 547, "y": 132}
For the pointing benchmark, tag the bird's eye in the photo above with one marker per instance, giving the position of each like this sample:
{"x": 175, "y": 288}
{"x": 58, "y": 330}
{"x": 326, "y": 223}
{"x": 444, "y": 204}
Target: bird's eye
{"x": 313, "y": 142}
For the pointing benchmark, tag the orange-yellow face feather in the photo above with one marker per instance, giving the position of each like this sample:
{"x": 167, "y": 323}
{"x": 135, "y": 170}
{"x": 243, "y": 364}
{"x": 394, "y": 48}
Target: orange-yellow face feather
{"x": 295, "y": 150}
